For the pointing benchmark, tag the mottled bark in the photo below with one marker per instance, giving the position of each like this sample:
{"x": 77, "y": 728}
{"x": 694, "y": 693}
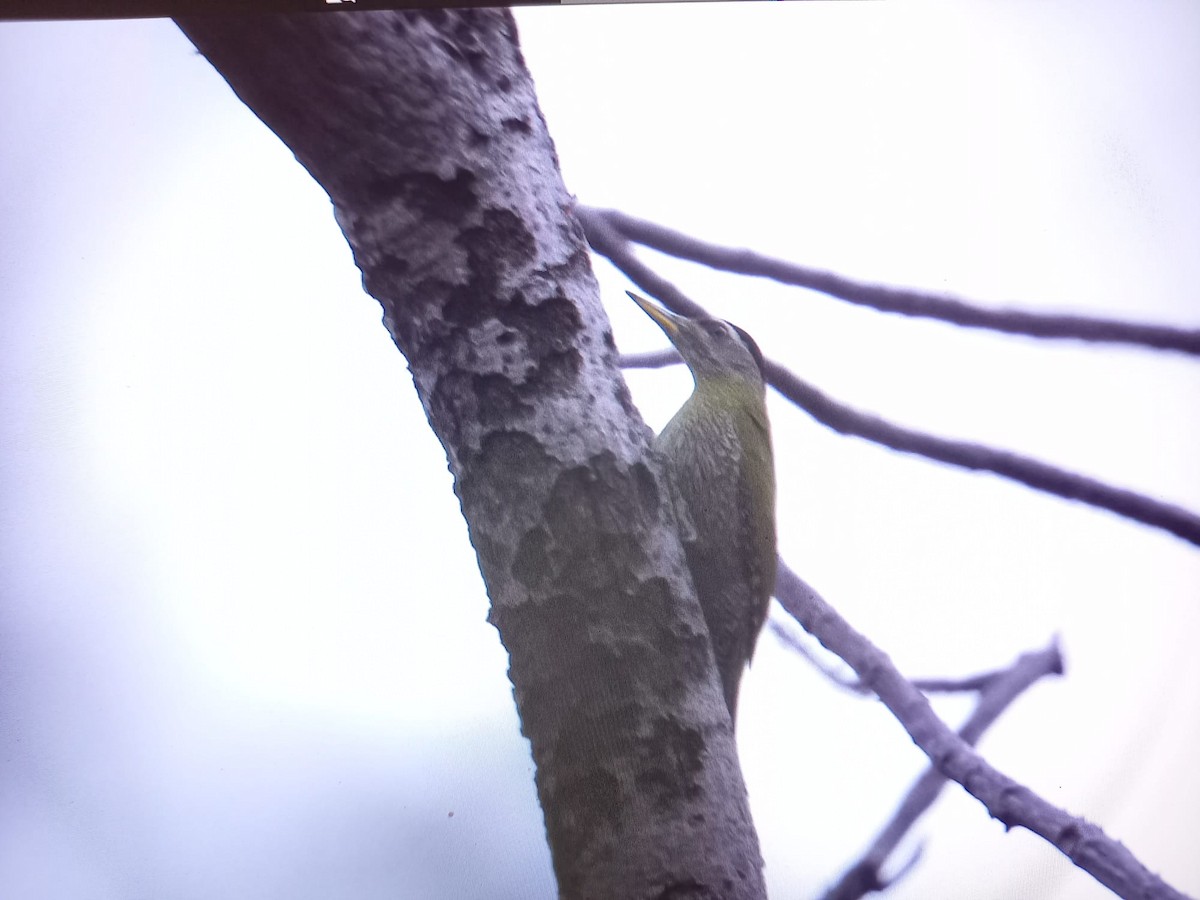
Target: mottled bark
{"x": 424, "y": 129}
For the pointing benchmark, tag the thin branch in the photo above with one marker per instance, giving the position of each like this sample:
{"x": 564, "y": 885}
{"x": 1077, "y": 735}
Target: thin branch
{"x": 652, "y": 359}
{"x": 607, "y": 241}
{"x": 963, "y": 685}
{"x": 1003, "y": 688}
{"x": 1013, "y": 804}
{"x": 909, "y": 865}
{"x": 789, "y": 640}
{"x": 845, "y": 419}
{"x": 969, "y": 683}
{"x": 966, "y": 455}
{"x": 902, "y": 301}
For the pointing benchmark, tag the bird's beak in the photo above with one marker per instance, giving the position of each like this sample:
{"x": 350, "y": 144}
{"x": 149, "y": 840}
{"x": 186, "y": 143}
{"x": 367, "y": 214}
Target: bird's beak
{"x": 667, "y": 321}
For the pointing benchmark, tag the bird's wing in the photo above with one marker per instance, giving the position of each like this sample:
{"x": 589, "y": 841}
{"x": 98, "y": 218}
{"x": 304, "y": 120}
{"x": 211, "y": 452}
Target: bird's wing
{"x": 756, "y": 512}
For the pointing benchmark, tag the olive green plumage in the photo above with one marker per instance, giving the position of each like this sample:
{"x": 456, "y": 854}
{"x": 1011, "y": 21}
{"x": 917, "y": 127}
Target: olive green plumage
{"x": 719, "y": 458}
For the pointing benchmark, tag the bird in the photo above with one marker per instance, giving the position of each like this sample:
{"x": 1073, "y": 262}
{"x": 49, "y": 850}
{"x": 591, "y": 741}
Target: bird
{"x": 721, "y": 467}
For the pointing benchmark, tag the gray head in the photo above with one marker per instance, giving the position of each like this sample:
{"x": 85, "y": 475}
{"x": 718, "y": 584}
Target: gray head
{"x": 712, "y": 348}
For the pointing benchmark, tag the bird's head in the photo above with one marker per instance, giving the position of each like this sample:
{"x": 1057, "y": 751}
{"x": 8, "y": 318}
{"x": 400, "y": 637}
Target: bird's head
{"x": 712, "y": 348}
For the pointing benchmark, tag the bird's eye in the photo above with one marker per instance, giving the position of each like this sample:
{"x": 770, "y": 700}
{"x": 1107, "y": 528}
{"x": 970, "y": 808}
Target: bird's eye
{"x": 716, "y": 329}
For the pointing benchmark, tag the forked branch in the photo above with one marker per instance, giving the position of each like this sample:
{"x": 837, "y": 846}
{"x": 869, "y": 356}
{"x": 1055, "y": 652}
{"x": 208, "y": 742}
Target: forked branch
{"x": 902, "y": 301}
{"x": 997, "y": 691}
{"x": 1013, "y": 804}
{"x": 845, "y": 419}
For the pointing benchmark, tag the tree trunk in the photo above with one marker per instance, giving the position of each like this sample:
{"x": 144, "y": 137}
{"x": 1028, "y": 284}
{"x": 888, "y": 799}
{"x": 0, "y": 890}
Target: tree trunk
{"x": 424, "y": 129}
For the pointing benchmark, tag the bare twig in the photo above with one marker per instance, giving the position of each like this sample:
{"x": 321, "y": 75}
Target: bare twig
{"x": 1013, "y": 804}
{"x": 927, "y": 685}
{"x": 902, "y": 301}
{"x": 1002, "y": 689}
{"x": 966, "y": 455}
{"x": 846, "y": 420}
{"x": 963, "y": 685}
{"x": 789, "y": 640}
{"x": 653, "y": 359}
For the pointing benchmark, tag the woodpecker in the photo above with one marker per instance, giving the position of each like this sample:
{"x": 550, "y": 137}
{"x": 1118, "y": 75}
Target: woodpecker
{"x": 717, "y": 450}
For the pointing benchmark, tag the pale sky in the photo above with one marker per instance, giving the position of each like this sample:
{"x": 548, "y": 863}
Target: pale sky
{"x": 244, "y": 645}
